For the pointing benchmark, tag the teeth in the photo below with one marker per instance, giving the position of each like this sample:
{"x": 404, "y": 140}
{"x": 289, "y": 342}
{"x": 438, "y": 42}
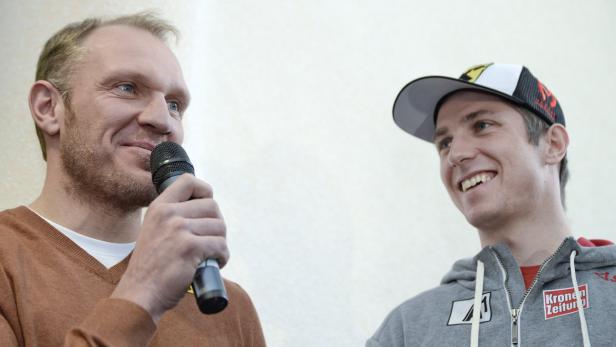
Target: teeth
{"x": 475, "y": 180}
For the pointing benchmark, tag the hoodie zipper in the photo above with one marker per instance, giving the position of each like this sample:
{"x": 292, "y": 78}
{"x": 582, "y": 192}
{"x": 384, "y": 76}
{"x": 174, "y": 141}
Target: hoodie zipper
{"x": 516, "y": 312}
{"x": 514, "y": 326}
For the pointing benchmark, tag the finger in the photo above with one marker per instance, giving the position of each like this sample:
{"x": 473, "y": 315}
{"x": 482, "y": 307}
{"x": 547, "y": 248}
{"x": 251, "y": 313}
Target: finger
{"x": 207, "y": 227}
{"x": 197, "y": 208}
{"x": 207, "y": 247}
{"x": 185, "y": 187}
{"x": 212, "y": 247}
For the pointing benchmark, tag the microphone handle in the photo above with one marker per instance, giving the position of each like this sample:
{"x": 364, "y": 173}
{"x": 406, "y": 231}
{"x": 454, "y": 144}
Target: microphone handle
{"x": 209, "y": 289}
{"x": 207, "y": 284}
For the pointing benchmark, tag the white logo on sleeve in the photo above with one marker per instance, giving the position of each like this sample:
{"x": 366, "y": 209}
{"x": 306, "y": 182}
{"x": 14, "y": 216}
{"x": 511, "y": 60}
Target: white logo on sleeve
{"x": 462, "y": 311}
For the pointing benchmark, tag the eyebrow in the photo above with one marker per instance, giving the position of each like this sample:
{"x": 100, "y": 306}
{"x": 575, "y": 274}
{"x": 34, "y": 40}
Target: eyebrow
{"x": 175, "y": 90}
{"x": 469, "y": 117}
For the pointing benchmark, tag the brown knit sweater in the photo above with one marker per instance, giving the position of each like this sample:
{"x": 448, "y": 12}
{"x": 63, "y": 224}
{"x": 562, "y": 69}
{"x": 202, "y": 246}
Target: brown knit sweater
{"x": 52, "y": 293}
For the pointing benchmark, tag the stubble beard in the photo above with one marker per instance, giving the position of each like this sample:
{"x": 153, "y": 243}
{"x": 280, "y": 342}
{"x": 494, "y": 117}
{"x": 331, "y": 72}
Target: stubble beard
{"x": 94, "y": 180}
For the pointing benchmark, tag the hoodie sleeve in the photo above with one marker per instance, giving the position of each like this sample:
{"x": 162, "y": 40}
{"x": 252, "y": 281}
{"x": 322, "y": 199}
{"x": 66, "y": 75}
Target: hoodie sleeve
{"x": 373, "y": 343}
{"x": 390, "y": 333}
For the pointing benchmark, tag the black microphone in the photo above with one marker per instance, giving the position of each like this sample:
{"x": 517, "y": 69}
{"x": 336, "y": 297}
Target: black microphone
{"x": 167, "y": 162}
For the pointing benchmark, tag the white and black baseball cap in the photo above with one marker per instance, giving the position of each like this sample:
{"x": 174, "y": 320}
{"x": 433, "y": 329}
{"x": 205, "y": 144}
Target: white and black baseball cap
{"x": 417, "y": 104}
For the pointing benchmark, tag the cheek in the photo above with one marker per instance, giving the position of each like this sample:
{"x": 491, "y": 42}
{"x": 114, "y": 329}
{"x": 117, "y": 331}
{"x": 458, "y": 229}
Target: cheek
{"x": 525, "y": 161}
{"x": 78, "y": 128}
{"x": 99, "y": 120}
{"x": 177, "y": 135}
{"x": 446, "y": 173}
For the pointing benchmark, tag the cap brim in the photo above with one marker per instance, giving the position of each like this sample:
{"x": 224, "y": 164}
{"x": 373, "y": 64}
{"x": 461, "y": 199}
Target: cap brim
{"x": 416, "y": 103}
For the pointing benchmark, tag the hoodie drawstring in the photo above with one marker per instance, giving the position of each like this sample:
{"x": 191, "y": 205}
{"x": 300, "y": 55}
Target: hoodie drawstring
{"x": 477, "y": 305}
{"x": 578, "y": 301}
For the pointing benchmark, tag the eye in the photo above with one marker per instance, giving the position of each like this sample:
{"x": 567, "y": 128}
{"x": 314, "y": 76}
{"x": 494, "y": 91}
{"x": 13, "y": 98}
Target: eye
{"x": 174, "y": 107}
{"x": 126, "y": 88}
{"x": 482, "y": 125}
{"x": 443, "y": 144}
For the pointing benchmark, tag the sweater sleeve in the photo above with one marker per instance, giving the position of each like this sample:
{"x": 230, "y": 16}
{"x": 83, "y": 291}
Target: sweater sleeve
{"x": 113, "y": 322}
{"x": 9, "y": 325}
{"x": 7, "y": 336}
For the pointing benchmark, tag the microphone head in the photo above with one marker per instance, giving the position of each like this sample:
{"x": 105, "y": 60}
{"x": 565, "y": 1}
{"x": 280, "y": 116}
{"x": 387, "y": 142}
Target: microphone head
{"x": 168, "y": 159}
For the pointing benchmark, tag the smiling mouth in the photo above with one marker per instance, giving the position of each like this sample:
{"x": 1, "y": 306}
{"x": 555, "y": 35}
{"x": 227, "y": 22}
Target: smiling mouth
{"x": 474, "y": 181}
{"x": 142, "y": 152}
{"x": 140, "y": 145}
{"x": 141, "y": 148}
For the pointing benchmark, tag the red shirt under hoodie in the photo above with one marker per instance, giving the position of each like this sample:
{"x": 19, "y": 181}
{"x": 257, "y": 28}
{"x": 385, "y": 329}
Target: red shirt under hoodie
{"x": 530, "y": 272}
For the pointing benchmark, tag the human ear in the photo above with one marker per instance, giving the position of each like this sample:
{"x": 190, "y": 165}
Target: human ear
{"x": 557, "y": 141}
{"x": 43, "y": 99}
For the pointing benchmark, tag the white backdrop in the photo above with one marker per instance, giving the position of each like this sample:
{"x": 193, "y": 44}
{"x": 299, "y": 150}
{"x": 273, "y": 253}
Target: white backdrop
{"x": 335, "y": 215}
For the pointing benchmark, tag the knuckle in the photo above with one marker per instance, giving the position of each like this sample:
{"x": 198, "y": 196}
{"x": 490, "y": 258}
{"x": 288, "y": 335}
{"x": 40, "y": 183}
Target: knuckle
{"x": 183, "y": 181}
{"x": 218, "y": 248}
{"x": 205, "y": 186}
{"x": 187, "y": 249}
{"x": 166, "y": 210}
{"x": 209, "y": 228}
{"x": 178, "y": 223}
{"x": 154, "y": 208}
{"x": 223, "y": 228}
{"x": 158, "y": 211}
{"x": 186, "y": 177}
{"x": 213, "y": 206}
{"x": 225, "y": 255}
{"x": 215, "y": 227}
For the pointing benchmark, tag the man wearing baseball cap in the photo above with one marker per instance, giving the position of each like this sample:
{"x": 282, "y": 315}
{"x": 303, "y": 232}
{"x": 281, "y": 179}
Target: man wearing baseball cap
{"x": 501, "y": 138}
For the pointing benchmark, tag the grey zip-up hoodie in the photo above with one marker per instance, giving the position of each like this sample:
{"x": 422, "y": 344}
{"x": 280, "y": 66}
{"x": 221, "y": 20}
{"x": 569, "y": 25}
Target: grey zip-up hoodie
{"x": 509, "y": 315}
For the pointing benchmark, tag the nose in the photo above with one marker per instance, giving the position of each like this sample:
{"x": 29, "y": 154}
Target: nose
{"x": 460, "y": 150}
{"x": 156, "y": 116}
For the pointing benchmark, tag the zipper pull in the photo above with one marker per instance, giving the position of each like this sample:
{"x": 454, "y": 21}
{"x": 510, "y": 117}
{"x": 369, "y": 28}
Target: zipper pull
{"x": 514, "y": 326}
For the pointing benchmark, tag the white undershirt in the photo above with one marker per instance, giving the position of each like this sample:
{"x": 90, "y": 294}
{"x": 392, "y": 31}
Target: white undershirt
{"x": 107, "y": 253}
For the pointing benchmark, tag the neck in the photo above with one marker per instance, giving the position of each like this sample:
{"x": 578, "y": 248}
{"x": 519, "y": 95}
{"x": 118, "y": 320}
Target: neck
{"x": 532, "y": 239}
{"x": 85, "y": 215}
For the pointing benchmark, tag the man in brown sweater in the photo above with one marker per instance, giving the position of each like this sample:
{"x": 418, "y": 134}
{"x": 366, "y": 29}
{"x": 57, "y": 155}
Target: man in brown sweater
{"x": 79, "y": 266}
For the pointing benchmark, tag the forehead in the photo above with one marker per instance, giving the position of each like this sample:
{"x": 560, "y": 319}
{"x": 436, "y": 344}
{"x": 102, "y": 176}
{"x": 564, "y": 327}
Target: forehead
{"x": 119, "y": 47}
{"x": 461, "y": 104}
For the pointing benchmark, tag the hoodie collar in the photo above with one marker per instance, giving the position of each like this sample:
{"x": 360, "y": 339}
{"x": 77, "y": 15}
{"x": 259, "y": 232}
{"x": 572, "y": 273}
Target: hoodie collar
{"x": 463, "y": 271}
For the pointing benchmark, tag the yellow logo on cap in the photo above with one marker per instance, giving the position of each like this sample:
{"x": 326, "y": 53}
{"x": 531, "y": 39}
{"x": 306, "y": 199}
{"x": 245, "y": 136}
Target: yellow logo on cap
{"x": 472, "y": 74}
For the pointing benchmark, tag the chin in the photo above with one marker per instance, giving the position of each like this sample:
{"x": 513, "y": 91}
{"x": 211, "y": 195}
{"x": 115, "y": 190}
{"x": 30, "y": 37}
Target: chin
{"x": 141, "y": 176}
{"x": 135, "y": 170}
{"x": 128, "y": 187}
{"x": 483, "y": 218}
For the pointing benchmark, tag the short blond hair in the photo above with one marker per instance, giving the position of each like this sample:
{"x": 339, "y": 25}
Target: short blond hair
{"x": 64, "y": 49}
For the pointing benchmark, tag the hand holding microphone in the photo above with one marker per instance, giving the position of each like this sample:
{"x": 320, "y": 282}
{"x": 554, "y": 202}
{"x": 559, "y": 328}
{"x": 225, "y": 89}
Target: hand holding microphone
{"x": 167, "y": 162}
{"x": 182, "y": 227}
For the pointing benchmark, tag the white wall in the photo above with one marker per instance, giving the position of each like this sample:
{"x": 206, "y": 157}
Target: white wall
{"x": 335, "y": 215}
